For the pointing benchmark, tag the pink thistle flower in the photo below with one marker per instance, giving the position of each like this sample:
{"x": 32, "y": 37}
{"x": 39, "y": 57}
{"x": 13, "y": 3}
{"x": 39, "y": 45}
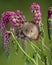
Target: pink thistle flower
{"x": 19, "y": 12}
{"x": 6, "y": 43}
{"x": 50, "y": 12}
{"x": 35, "y": 11}
{"x": 37, "y": 7}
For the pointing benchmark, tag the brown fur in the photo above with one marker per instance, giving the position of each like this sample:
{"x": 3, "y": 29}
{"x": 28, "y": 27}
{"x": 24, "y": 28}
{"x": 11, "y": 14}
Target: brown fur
{"x": 30, "y": 30}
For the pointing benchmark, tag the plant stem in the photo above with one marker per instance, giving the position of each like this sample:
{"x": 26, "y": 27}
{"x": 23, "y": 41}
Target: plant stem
{"x": 32, "y": 45}
{"x": 35, "y": 46}
{"x": 22, "y": 49}
{"x": 37, "y": 58}
{"x": 37, "y": 54}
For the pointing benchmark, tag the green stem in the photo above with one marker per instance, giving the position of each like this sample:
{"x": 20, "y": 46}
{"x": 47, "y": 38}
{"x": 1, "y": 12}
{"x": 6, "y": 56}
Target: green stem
{"x": 32, "y": 45}
{"x": 35, "y": 46}
{"x": 23, "y": 50}
{"x": 37, "y": 58}
{"x": 35, "y": 51}
{"x": 44, "y": 45}
{"x": 37, "y": 54}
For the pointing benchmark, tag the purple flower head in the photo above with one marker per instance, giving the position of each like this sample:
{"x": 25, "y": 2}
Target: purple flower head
{"x": 6, "y": 36}
{"x": 37, "y": 7}
{"x": 39, "y": 17}
{"x": 50, "y": 12}
{"x": 13, "y": 18}
{"x": 3, "y": 27}
{"x": 10, "y": 17}
{"x": 35, "y": 11}
{"x": 34, "y": 6}
{"x": 6, "y": 42}
{"x": 35, "y": 17}
{"x": 36, "y": 22}
{"x": 21, "y": 16}
{"x": 7, "y": 14}
{"x": 51, "y": 16}
{"x": 19, "y": 21}
{"x": 38, "y": 11}
{"x": 19, "y": 12}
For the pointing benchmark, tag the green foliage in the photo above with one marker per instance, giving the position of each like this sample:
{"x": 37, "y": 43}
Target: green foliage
{"x": 39, "y": 53}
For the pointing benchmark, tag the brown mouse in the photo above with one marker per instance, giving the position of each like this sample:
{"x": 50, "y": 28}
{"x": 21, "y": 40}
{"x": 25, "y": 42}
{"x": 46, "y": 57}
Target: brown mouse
{"x": 30, "y": 30}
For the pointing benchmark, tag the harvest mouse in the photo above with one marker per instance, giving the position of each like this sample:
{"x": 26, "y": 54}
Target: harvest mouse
{"x": 30, "y": 30}
{"x": 27, "y": 31}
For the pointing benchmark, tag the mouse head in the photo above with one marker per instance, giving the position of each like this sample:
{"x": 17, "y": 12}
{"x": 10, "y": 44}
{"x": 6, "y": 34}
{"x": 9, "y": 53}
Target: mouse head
{"x": 30, "y": 30}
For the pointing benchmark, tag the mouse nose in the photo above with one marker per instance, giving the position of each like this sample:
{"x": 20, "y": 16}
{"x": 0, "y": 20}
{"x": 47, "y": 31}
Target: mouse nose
{"x": 29, "y": 36}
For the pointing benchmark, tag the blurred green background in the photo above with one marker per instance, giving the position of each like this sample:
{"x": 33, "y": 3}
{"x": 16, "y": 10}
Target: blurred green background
{"x": 13, "y": 5}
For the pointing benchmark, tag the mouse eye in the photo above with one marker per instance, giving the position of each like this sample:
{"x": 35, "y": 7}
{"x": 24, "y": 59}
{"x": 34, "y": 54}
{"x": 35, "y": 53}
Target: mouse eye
{"x": 31, "y": 30}
{"x": 33, "y": 11}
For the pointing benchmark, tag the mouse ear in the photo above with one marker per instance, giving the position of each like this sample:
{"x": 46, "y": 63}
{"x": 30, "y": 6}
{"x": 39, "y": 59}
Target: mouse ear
{"x": 24, "y": 22}
{"x": 32, "y": 22}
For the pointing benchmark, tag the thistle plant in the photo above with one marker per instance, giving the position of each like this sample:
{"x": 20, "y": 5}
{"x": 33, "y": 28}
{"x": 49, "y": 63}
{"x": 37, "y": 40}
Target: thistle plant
{"x": 15, "y": 19}
{"x": 35, "y": 11}
{"x": 50, "y": 22}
